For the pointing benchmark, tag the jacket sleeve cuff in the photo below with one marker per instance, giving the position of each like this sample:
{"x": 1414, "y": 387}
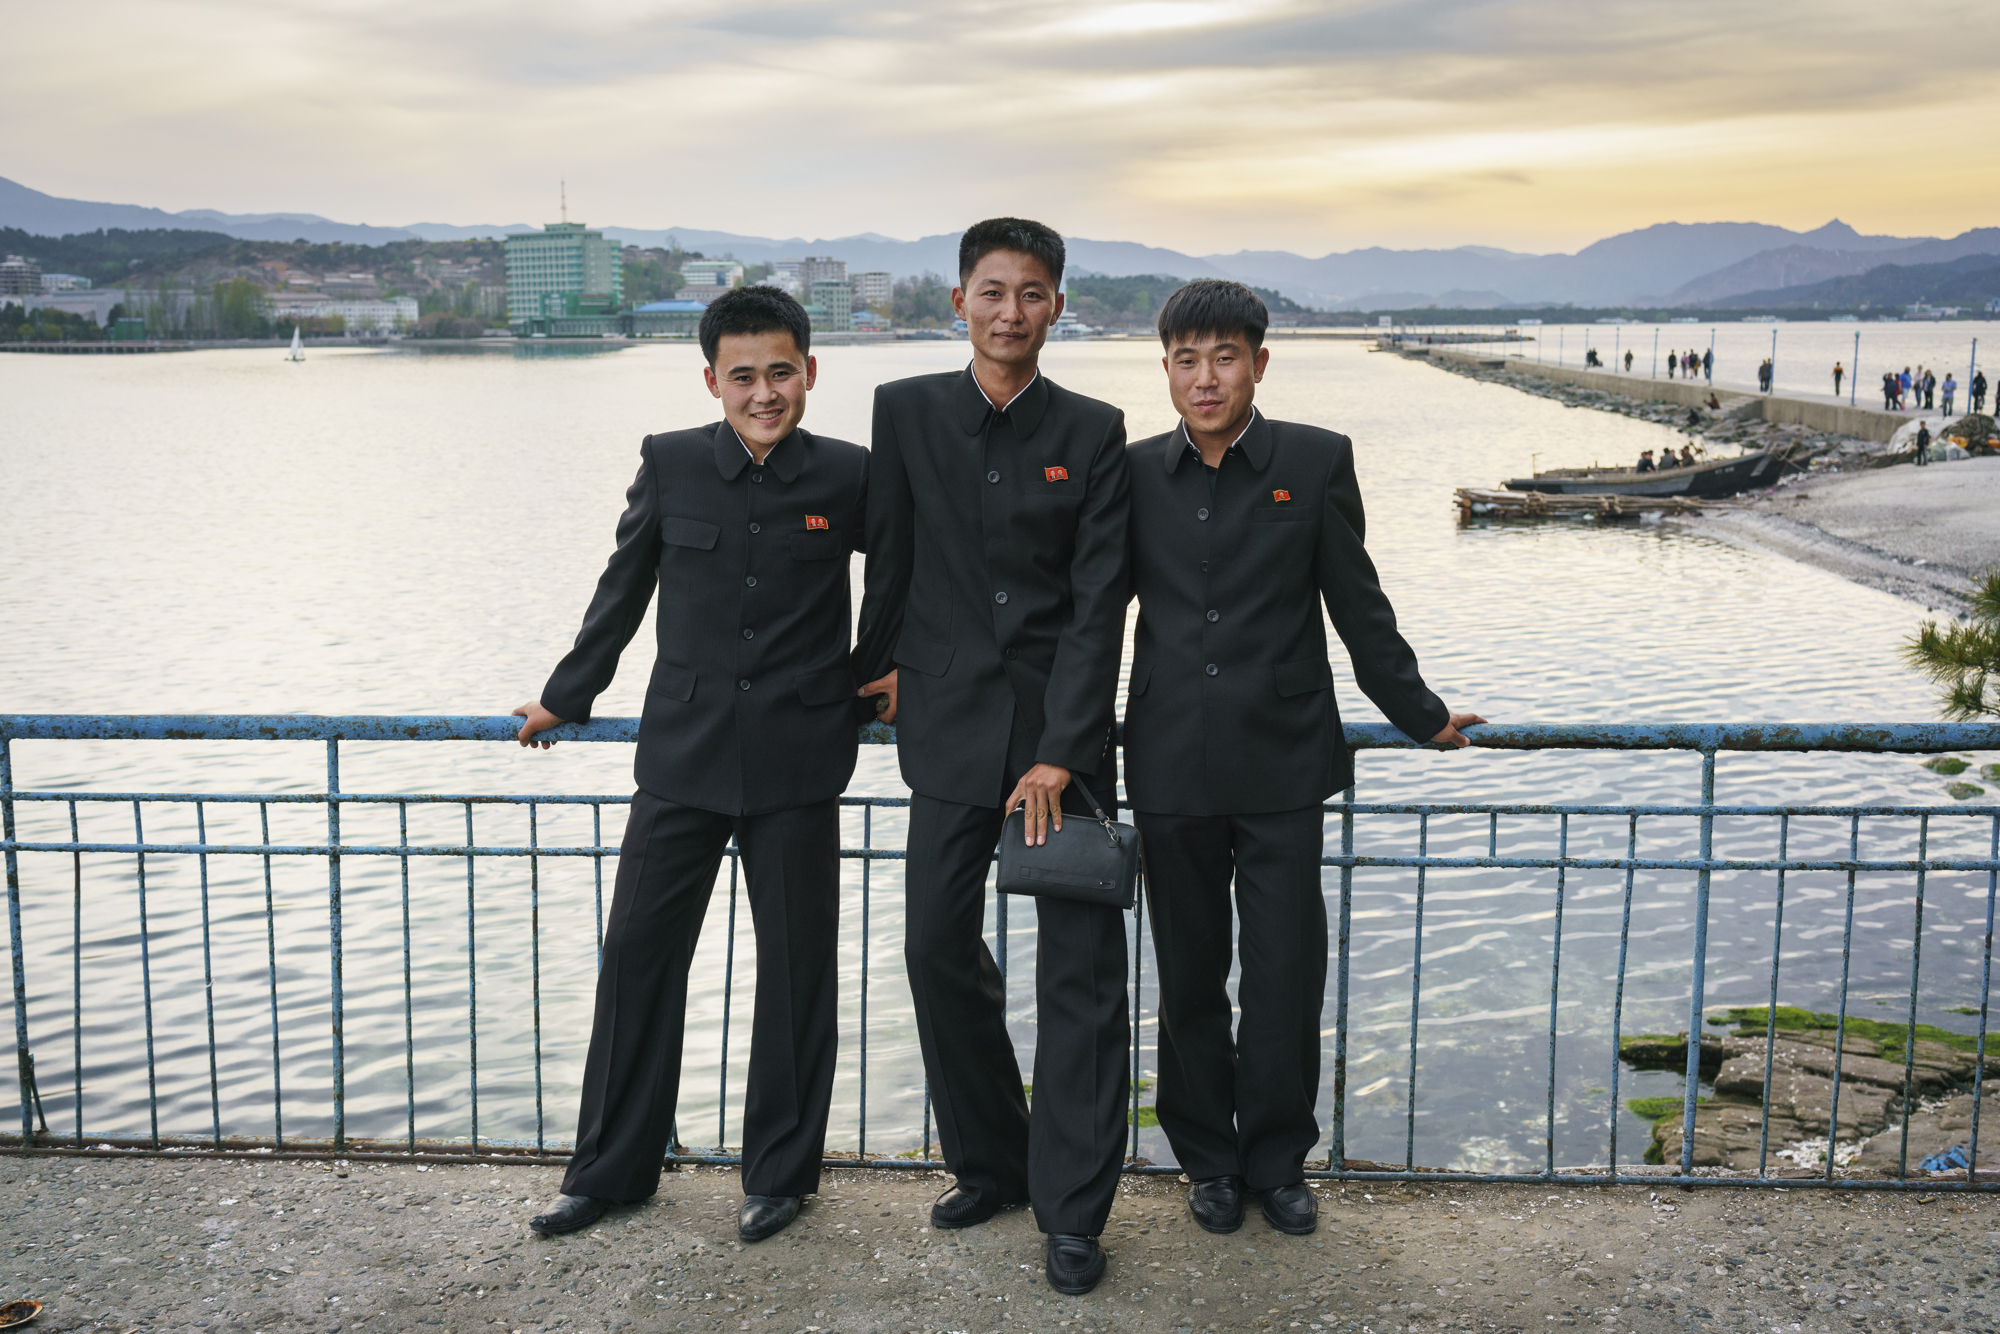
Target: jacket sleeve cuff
{"x": 1424, "y": 725}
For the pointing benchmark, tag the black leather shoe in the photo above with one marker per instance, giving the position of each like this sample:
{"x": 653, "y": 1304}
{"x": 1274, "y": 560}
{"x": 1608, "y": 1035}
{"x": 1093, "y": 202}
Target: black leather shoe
{"x": 1292, "y": 1209}
{"x": 572, "y": 1212}
{"x": 1075, "y": 1263}
{"x": 964, "y": 1206}
{"x": 1217, "y": 1203}
{"x": 765, "y": 1214}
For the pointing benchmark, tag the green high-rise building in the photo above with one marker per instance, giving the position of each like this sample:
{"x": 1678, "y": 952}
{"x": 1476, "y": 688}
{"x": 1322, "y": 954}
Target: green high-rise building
{"x": 558, "y": 276}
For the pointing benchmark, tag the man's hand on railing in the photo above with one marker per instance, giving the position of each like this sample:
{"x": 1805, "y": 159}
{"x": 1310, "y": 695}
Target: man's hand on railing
{"x": 886, "y": 686}
{"x": 540, "y": 720}
{"x": 1451, "y": 736}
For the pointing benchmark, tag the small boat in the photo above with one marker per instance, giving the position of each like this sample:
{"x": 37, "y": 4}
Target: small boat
{"x": 298, "y": 352}
{"x": 1700, "y": 481}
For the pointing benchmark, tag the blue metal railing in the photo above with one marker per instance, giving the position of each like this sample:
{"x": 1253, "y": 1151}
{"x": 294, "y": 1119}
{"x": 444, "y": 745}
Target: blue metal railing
{"x": 1706, "y": 740}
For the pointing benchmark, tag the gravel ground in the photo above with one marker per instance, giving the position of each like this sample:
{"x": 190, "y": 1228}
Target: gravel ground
{"x": 1926, "y": 534}
{"x": 140, "y": 1244}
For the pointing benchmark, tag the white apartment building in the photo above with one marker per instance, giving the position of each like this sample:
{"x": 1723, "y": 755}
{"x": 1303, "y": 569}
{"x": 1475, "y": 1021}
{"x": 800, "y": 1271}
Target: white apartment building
{"x": 873, "y": 289}
{"x": 381, "y": 316}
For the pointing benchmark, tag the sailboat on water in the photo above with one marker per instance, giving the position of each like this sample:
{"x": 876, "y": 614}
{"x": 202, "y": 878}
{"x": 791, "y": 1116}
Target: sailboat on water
{"x": 298, "y": 352}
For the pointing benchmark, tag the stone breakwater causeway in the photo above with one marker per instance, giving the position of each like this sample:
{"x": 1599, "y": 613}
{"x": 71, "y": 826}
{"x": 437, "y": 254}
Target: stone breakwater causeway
{"x": 1924, "y": 534}
{"x": 128, "y": 1244}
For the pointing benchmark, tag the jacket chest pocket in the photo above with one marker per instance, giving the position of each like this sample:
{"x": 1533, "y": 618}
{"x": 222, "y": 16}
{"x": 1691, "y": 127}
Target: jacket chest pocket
{"x": 821, "y": 545}
{"x": 689, "y": 534}
{"x": 1282, "y": 514}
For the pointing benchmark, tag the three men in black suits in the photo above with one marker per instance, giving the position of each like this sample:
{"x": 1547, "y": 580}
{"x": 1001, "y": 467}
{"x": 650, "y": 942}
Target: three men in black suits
{"x": 993, "y": 620}
{"x": 749, "y": 730}
{"x": 1240, "y": 528}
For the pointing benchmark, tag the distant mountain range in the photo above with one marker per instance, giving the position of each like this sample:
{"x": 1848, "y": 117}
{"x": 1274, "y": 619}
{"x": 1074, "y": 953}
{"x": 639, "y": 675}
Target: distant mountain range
{"x": 1682, "y": 264}
{"x": 1970, "y": 280}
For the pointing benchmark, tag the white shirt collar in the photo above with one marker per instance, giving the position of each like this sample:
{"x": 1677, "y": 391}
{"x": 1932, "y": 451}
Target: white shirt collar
{"x": 1247, "y": 423}
{"x": 1001, "y": 407}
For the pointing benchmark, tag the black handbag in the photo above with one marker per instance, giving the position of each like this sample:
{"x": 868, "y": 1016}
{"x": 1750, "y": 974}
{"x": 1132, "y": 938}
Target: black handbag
{"x": 1089, "y": 861}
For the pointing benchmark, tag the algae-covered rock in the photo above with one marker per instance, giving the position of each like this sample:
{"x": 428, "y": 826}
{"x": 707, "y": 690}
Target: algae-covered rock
{"x": 1668, "y": 1051}
{"x": 1726, "y": 1135}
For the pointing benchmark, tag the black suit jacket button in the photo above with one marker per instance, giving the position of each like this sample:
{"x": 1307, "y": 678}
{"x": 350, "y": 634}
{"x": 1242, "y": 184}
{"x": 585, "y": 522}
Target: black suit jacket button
{"x": 1210, "y": 669}
{"x": 743, "y": 685}
{"x": 1201, "y": 514}
{"x": 749, "y": 581}
{"x": 756, "y": 476}
{"x": 992, "y": 476}
{"x": 756, "y": 528}
{"x": 1000, "y": 598}
{"x": 1012, "y": 654}
{"x": 749, "y": 634}
{"x": 1213, "y": 617}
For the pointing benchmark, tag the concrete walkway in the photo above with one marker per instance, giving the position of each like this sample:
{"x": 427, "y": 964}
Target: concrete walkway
{"x": 118, "y": 1243}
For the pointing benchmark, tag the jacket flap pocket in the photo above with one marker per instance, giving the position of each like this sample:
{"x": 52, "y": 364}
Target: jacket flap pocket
{"x": 1301, "y": 678}
{"x": 689, "y": 533}
{"x": 828, "y": 685}
{"x": 1068, "y": 490}
{"x": 1292, "y": 512}
{"x": 924, "y": 655}
{"x": 671, "y": 681}
{"x": 1141, "y": 678}
{"x": 822, "y": 545}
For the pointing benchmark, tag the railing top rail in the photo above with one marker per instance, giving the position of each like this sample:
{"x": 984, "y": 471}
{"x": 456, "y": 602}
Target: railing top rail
{"x": 1903, "y": 738}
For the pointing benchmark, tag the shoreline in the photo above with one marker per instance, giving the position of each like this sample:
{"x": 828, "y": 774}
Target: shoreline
{"x": 1923, "y": 535}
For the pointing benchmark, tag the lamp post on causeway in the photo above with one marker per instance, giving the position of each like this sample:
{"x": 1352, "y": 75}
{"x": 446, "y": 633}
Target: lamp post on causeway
{"x": 1771, "y": 385}
{"x": 1656, "y": 352}
{"x": 1854, "y": 367}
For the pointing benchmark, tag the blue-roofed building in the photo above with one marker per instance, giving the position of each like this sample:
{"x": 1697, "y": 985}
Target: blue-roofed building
{"x": 658, "y": 319}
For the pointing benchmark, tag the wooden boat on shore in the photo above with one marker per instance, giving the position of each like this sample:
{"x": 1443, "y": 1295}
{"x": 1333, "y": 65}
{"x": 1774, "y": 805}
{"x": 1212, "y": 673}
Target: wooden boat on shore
{"x": 1475, "y": 503}
{"x": 1700, "y": 481}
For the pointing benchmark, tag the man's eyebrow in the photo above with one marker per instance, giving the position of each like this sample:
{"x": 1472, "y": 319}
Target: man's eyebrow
{"x": 751, "y": 370}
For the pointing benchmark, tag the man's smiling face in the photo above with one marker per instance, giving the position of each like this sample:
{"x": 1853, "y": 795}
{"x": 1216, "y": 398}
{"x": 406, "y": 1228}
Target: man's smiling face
{"x": 1009, "y": 305}
{"x": 762, "y": 379}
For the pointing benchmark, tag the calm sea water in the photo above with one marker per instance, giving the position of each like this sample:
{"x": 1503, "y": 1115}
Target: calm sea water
{"x": 397, "y": 532}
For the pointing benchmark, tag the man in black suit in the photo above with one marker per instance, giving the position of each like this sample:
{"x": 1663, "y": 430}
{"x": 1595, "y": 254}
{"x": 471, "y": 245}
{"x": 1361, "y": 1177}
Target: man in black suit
{"x": 1240, "y": 527}
{"x": 749, "y": 730}
{"x": 996, "y": 578}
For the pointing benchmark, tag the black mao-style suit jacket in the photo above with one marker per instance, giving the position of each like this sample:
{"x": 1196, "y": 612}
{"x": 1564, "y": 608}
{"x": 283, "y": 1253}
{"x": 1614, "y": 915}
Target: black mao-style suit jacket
{"x": 1231, "y": 710}
{"x": 751, "y": 706}
{"x": 996, "y": 581}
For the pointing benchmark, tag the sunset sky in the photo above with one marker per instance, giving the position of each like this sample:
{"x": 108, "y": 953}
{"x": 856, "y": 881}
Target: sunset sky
{"x": 1216, "y": 126}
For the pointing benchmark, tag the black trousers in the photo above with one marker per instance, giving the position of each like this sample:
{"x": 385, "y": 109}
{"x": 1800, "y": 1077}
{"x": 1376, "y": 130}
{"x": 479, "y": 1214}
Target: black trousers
{"x": 1241, "y": 1106}
{"x": 631, "y": 1078}
{"x": 1063, "y": 1156}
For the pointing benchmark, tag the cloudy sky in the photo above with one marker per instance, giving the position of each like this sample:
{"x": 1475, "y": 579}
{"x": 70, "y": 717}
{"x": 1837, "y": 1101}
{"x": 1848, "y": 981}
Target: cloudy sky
{"x": 1309, "y": 125}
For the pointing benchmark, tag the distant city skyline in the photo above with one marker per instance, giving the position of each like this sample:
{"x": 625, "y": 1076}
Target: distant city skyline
{"x": 1203, "y": 127}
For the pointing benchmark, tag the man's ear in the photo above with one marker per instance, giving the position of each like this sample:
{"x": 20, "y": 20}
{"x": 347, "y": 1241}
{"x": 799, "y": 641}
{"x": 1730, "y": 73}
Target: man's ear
{"x": 812, "y": 371}
{"x": 708, "y": 378}
{"x": 1056, "y": 309}
{"x": 958, "y": 302}
{"x": 1258, "y": 363}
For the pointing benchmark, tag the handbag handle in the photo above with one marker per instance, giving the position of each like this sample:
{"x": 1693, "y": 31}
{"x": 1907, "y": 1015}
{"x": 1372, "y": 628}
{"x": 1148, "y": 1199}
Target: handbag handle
{"x": 1109, "y": 826}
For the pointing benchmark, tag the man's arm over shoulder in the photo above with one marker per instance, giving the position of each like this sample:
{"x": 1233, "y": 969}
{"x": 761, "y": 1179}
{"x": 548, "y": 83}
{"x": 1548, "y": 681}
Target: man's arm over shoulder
{"x": 1385, "y": 666}
{"x": 1084, "y": 680}
{"x": 619, "y": 605}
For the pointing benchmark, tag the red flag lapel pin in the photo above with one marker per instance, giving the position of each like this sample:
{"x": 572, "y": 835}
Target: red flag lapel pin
{"x": 814, "y": 521}
{"x": 1281, "y": 496}
{"x": 1056, "y": 474}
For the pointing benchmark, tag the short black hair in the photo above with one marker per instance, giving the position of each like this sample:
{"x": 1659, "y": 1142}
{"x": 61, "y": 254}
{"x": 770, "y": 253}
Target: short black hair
{"x": 1034, "y": 239}
{"x": 753, "y": 310}
{"x": 1216, "y": 307}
